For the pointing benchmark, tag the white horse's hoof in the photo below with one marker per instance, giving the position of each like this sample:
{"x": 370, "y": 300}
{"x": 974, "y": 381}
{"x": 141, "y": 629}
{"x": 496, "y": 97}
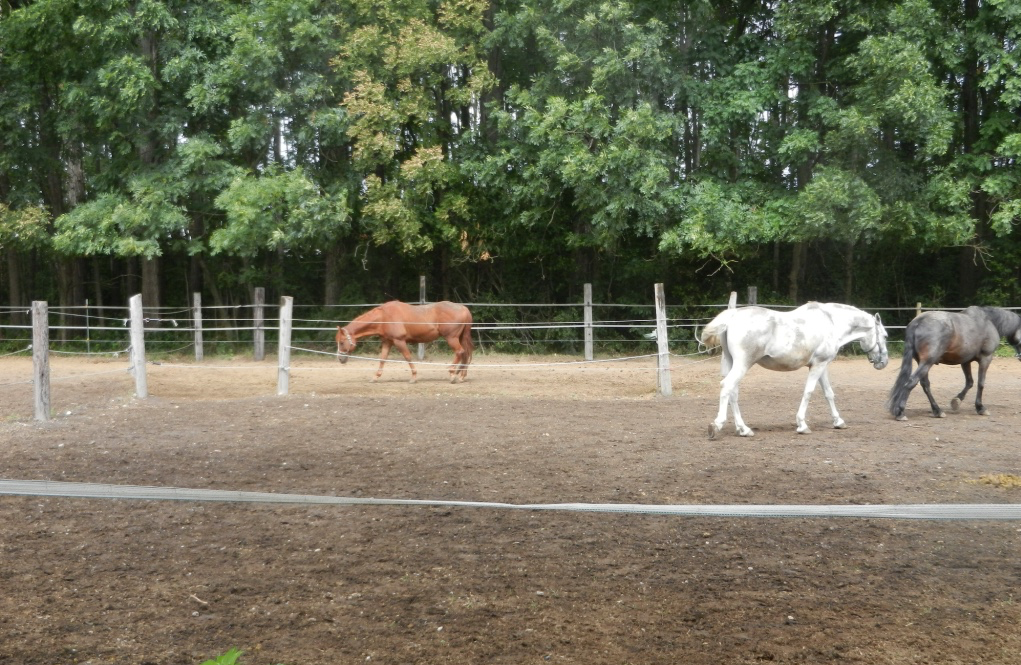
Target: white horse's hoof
{"x": 840, "y": 424}
{"x": 747, "y": 431}
{"x": 804, "y": 430}
{"x": 955, "y": 404}
{"x": 714, "y": 431}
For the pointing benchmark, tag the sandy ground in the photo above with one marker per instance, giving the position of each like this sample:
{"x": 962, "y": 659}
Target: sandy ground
{"x": 124, "y": 581}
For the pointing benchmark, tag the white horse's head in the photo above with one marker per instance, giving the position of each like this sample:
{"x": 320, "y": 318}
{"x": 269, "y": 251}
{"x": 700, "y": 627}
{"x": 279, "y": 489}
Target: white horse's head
{"x": 874, "y": 344}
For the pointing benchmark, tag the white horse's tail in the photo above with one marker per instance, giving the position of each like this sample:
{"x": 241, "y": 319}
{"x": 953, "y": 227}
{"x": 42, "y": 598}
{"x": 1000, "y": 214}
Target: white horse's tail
{"x": 714, "y": 337}
{"x": 715, "y": 331}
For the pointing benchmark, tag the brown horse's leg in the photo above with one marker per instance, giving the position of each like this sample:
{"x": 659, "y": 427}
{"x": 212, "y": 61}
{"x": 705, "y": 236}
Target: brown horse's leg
{"x": 955, "y": 403}
{"x": 402, "y": 346}
{"x": 384, "y": 351}
{"x": 457, "y": 362}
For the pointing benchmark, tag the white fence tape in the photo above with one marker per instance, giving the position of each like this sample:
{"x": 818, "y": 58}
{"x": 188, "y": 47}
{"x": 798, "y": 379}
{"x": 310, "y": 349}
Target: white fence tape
{"x": 925, "y": 511}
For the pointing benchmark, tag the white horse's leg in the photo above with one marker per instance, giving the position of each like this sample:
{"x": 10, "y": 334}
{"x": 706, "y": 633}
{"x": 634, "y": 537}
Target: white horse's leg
{"x": 728, "y": 396}
{"x": 739, "y": 423}
{"x": 827, "y": 390}
{"x": 813, "y": 378}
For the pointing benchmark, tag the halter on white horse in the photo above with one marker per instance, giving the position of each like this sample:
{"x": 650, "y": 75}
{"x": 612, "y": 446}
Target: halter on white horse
{"x": 810, "y": 335}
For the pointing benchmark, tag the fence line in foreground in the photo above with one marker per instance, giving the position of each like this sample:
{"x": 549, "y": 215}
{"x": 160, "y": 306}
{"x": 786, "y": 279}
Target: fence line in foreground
{"x": 924, "y": 511}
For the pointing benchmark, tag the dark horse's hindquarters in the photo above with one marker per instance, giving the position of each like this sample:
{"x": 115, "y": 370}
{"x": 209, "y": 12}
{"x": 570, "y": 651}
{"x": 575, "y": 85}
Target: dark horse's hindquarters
{"x": 952, "y": 338}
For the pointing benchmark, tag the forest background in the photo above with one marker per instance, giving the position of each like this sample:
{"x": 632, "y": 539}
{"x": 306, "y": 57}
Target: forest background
{"x": 510, "y": 151}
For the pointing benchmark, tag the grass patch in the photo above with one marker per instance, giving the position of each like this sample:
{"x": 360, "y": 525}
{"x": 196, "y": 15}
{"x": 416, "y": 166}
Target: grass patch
{"x": 1004, "y": 480}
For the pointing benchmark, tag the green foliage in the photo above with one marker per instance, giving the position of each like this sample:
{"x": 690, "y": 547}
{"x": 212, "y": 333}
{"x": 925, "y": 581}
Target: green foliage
{"x": 515, "y": 149}
{"x": 121, "y": 225}
{"x": 23, "y": 229}
{"x": 277, "y": 210}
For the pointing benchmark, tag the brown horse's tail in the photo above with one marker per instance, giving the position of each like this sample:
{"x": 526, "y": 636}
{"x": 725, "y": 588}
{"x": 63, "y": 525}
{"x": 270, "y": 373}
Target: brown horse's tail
{"x": 468, "y": 345}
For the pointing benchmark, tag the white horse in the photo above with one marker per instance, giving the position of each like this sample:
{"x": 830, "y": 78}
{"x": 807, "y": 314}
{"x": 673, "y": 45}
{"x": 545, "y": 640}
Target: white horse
{"x": 809, "y": 335}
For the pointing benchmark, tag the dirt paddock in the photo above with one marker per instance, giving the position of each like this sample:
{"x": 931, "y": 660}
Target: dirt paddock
{"x": 124, "y": 581}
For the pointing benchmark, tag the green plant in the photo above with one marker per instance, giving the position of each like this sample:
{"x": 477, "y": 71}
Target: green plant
{"x": 229, "y": 658}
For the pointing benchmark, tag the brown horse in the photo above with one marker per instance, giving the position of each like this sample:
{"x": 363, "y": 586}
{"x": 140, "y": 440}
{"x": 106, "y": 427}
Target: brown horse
{"x": 399, "y": 324}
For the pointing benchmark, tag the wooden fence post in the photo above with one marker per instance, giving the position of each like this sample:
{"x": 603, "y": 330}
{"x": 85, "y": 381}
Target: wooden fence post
{"x": 733, "y": 300}
{"x": 196, "y": 318}
{"x": 138, "y": 346}
{"x": 664, "y": 384}
{"x": 259, "y": 332}
{"x": 421, "y": 301}
{"x": 753, "y": 295}
{"x": 284, "y": 353}
{"x": 41, "y": 358}
{"x": 588, "y": 322}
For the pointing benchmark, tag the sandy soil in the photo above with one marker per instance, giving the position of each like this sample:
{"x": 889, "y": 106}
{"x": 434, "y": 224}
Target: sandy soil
{"x": 122, "y": 581}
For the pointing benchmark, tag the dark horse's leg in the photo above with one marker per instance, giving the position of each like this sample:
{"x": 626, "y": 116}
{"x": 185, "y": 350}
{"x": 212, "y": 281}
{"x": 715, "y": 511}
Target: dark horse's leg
{"x": 905, "y": 386}
{"x": 924, "y": 380}
{"x": 983, "y": 365}
{"x": 968, "y": 383}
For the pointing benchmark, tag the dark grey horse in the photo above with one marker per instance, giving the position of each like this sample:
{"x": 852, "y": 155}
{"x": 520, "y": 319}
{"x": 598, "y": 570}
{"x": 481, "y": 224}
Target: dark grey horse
{"x": 952, "y": 338}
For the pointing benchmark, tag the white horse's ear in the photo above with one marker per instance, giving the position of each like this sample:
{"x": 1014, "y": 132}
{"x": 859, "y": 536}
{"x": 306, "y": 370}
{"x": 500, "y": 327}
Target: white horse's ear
{"x": 878, "y": 320}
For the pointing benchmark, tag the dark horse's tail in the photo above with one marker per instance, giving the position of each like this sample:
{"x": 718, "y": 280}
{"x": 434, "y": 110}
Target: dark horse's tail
{"x": 901, "y": 388}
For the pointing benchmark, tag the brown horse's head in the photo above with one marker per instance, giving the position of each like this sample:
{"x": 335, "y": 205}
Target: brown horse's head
{"x": 345, "y": 344}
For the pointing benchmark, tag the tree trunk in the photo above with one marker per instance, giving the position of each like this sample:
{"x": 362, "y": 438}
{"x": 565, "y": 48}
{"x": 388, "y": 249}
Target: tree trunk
{"x": 130, "y": 277}
{"x": 849, "y": 272}
{"x": 798, "y": 252}
{"x": 14, "y": 288}
{"x": 331, "y": 280}
{"x": 151, "y": 287}
{"x": 968, "y": 260}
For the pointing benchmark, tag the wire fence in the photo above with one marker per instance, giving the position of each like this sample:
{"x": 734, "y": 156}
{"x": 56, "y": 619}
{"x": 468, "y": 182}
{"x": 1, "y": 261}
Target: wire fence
{"x": 617, "y": 330}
